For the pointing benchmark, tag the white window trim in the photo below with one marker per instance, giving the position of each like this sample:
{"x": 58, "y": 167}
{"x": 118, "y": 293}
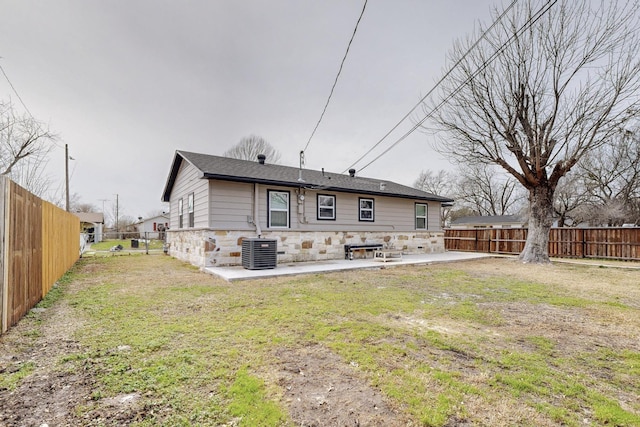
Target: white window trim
{"x": 190, "y": 209}
{"x": 425, "y": 217}
{"x": 332, "y": 208}
{"x": 287, "y": 210}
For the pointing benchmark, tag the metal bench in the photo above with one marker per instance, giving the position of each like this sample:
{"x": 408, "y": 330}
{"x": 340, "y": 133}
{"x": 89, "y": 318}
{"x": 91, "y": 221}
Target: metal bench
{"x": 350, "y": 247}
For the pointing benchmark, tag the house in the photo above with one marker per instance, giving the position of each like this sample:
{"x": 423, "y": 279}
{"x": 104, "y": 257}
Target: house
{"x": 493, "y": 221}
{"x": 154, "y": 227}
{"x": 91, "y": 224}
{"x": 216, "y": 202}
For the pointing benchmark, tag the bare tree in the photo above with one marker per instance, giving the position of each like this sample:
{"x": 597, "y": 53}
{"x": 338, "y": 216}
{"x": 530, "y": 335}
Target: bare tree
{"x": 539, "y": 93}
{"x": 571, "y": 198}
{"x": 476, "y": 191}
{"x": 487, "y": 191}
{"x": 24, "y": 147}
{"x": 611, "y": 176}
{"x": 84, "y": 207}
{"x": 441, "y": 183}
{"x": 250, "y": 146}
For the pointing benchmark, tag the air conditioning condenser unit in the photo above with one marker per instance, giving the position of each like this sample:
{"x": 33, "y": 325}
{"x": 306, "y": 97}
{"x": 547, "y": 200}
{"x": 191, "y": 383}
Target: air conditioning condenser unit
{"x": 259, "y": 254}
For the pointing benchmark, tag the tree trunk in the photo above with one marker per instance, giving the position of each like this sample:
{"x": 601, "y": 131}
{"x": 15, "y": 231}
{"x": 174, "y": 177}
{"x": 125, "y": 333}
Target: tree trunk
{"x": 536, "y": 248}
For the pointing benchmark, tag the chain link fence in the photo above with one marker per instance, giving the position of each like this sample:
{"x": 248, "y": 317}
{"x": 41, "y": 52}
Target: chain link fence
{"x": 114, "y": 243}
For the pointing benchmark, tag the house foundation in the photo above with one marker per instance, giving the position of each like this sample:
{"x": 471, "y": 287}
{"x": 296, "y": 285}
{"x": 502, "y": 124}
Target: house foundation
{"x": 208, "y": 248}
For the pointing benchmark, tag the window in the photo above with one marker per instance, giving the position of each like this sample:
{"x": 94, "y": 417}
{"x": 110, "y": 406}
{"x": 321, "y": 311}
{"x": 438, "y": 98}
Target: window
{"x": 180, "y": 213}
{"x": 421, "y": 216}
{"x": 190, "y": 207}
{"x": 278, "y": 209}
{"x": 366, "y": 209}
{"x": 326, "y": 206}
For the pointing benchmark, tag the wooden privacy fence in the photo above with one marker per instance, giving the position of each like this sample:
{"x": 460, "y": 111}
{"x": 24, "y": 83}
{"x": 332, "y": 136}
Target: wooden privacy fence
{"x": 605, "y": 243}
{"x": 39, "y": 242}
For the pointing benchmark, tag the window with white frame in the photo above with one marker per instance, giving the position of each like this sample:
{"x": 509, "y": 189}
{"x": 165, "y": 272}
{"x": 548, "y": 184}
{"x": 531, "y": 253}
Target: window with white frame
{"x": 180, "y": 213}
{"x": 278, "y": 209}
{"x": 366, "y": 209}
{"x": 191, "y": 210}
{"x": 326, "y": 206}
{"x": 421, "y": 216}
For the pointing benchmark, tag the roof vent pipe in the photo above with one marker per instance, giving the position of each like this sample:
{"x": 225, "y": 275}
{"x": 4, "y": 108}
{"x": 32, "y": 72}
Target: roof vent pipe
{"x": 261, "y": 158}
{"x": 352, "y": 173}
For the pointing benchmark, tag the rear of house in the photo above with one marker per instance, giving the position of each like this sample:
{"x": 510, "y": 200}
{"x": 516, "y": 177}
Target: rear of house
{"x": 217, "y": 202}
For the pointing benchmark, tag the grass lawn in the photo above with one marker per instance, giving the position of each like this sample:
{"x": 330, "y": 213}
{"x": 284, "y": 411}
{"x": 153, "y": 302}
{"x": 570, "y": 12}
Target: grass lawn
{"x": 491, "y": 342}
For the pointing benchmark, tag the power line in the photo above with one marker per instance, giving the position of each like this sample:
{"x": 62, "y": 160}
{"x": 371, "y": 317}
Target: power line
{"x": 23, "y": 104}
{"x": 337, "y": 76}
{"x": 16, "y": 92}
{"x": 532, "y": 20}
{"x": 438, "y": 83}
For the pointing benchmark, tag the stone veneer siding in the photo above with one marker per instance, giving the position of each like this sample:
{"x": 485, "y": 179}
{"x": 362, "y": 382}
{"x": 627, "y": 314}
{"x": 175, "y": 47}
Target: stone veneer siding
{"x": 208, "y": 248}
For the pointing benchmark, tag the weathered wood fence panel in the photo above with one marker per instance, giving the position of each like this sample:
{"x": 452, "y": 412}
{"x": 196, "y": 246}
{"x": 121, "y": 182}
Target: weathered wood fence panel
{"x": 24, "y": 251}
{"x": 606, "y": 243}
{"x": 40, "y": 242}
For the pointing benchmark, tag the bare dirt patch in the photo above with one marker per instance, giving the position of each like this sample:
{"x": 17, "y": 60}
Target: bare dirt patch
{"x": 321, "y": 389}
{"x": 50, "y": 393}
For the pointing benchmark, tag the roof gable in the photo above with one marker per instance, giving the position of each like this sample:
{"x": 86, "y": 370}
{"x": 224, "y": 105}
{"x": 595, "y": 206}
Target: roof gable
{"x": 229, "y": 169}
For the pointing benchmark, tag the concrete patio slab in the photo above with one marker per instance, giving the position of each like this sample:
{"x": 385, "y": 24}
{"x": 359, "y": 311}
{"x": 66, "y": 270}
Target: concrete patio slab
{"x": 294, "y": 268}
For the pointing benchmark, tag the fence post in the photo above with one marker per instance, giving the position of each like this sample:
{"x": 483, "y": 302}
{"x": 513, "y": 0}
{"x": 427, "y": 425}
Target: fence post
{"x": 476, "y": 242}
{"x": 146, "y": 242}
{"x": 4, "y": 259}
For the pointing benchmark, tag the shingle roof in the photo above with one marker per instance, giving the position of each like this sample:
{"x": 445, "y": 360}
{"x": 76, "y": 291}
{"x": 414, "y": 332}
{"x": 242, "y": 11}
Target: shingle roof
{"x": 228, "y": 169}
{"x": 90, "y": 217}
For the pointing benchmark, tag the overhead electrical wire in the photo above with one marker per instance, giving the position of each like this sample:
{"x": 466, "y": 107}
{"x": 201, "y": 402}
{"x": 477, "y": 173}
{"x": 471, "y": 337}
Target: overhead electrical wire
{"x": 438, "y": 83}
{"x": 543, "y": 10}
{"x": 22, "y": 102}
{"x": 15, "y": 91}
{"x": 324, "y": 110}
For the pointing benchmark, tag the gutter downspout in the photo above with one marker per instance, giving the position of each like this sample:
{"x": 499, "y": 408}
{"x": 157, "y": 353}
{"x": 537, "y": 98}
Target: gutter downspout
{"x": 256, "y": 210}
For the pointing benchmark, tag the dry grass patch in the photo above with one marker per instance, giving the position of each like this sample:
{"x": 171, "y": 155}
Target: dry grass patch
{"x": 150, "y": 341}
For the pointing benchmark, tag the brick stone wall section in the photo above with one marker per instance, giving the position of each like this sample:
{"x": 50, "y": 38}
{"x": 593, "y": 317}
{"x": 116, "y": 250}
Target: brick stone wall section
{"x": 208, "y": 248}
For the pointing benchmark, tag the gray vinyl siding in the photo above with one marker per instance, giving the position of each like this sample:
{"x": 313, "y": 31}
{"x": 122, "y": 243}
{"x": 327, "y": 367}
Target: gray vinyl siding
{"x": 231, "y": 204}
{"x": 226, "y": 205}
{"x": 390, "y": 213}
{"x": 189, "y": 180}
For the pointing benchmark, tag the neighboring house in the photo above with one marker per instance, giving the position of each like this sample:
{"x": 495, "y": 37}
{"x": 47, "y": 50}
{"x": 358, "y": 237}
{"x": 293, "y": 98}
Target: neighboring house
{"x": 495, "y": 221}
{"x": 216, "y": 202}
{"x": 154, "y": 227}
{"x": 91, "y": 224}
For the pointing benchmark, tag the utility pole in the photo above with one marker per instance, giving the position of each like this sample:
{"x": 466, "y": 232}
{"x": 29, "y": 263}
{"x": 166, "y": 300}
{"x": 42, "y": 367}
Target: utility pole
{"x": 103, "y": 200}
{"x": 117, "y": 214}
{"x": 66, "y": 173}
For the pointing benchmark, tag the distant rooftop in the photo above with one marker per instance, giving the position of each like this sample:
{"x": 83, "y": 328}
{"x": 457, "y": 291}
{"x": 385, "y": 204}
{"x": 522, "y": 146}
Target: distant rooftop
{"x": 489, "y": 220}
{"x": 91, "y": 217}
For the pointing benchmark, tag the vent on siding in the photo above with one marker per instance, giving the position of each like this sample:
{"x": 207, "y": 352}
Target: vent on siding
{"x": 259, "y": 254}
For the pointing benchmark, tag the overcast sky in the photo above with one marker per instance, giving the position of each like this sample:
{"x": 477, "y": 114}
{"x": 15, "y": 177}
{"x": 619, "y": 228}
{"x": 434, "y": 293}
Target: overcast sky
{"x": 126, "y": 83}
